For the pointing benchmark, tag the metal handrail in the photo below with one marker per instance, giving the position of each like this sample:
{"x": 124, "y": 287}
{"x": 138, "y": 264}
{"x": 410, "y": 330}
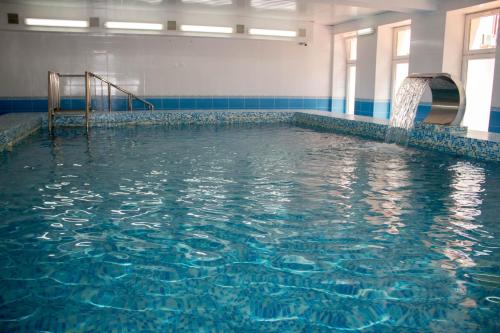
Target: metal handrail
{"x": 128, "y": 93}
{"x": 54, "y": 97}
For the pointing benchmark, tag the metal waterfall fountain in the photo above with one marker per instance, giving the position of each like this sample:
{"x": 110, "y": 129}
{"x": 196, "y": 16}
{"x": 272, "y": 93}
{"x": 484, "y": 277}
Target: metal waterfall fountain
{"x": 448, "y": 105}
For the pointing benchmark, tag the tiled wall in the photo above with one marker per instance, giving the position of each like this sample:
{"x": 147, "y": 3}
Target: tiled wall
{"x": 495, "y": 120}
{"x": 377, "y": 109}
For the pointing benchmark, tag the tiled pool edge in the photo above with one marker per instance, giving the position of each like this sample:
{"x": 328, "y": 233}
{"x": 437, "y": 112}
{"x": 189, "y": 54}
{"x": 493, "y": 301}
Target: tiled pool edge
{"x": 425, "y": 136}
{"x": 422, "y": 137}
{"x": 124, "y": 118}
{"x": 16, "y": 127}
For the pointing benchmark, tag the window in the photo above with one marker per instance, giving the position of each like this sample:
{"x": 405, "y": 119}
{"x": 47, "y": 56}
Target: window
{"x": 478, "y": 67}
{"x": 352, "y": 53}
{"x": 400, "y": 57}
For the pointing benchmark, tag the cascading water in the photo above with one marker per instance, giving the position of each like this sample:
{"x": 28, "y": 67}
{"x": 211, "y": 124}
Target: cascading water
{"x": 405, "y": 109}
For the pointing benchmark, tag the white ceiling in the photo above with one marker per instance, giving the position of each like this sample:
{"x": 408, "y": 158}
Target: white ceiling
{"x": 328, "y": 12}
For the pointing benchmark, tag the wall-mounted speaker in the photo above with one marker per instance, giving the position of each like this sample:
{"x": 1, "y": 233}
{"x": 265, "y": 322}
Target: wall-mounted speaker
{"x": 12, "y": 18}
{"x": 172, "y": 25}
{"x": 240, "y": 29}
{"x": 94, "y": 22}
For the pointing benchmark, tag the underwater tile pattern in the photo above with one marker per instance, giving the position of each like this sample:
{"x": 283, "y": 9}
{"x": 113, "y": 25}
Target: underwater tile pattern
{"x": 15, "y": 127}
{"x": 244, "y": 228}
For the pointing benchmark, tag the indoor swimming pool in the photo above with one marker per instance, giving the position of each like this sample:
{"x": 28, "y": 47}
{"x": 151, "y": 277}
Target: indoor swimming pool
{"x": 249, "y": 228}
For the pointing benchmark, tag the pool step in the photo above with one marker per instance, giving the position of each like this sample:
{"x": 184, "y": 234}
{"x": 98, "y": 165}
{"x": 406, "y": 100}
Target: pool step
{"x": 72, "y": 113}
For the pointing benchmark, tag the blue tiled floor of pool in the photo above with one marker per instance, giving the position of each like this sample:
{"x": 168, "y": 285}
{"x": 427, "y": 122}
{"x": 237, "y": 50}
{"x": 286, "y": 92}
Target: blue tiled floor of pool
{"x": 248, "y": 228}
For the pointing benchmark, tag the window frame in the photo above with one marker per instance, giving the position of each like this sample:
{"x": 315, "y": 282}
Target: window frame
{"x": 396, "y": 60}
{"x": 467, "y": 54}
{"x": 468, "y": 21}
{"x": 395, "y": 32}
{"x": 475, "y": 54}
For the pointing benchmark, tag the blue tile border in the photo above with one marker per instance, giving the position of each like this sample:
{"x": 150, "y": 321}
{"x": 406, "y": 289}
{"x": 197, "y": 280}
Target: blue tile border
{"x": 380, "y": 109}
{"x": 28, "y": 104}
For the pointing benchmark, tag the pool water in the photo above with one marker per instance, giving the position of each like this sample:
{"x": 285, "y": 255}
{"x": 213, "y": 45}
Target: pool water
{"x": 251, "y": 228}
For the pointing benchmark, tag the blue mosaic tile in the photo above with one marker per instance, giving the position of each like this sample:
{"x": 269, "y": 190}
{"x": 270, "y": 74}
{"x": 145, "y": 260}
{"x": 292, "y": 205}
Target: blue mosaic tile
{"x": 110, "y": 119}
{"x": 451, "y": 140}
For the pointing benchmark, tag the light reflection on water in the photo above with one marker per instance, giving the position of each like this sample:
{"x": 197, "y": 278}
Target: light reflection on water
{"x": 267, "y": 228}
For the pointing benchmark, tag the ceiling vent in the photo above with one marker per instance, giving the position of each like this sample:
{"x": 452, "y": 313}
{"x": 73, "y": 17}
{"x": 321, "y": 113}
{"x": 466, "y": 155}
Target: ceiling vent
{"x": 172, "y": 25}
{"x": 12, "y": 18}
{"x": 94, "y": 22}
{"x": 240, "y": 29}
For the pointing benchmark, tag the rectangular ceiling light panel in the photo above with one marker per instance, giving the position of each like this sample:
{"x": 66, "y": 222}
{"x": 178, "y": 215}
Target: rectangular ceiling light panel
{"x": 56, "y": 23}
{"x": 287, "y": 5}
{"x": 133, "y": 25}
{"x": 365, "y": 31}
{"x": 270, "y": 32}
{"x": 210, "y": 2}
{"x": 206, "y": 28}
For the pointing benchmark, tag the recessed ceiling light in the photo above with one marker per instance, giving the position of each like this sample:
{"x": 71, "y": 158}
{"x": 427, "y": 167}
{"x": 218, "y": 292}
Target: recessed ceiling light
{"x": 133, "y": 25}
{"x": 270, "y": 32}
{"x": 56, "y": 23}
{"x": 206, "y": 28}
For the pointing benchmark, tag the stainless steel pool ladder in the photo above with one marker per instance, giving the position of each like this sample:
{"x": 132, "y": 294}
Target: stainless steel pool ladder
{"x": 54, "y": 96}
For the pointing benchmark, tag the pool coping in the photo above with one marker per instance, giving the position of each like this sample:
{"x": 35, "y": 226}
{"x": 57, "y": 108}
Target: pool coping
{"x": 478, "y": 145}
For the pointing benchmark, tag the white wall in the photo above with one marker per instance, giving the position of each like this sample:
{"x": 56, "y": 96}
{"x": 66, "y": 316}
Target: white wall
{"x": 366, "y": 64}
{"x": 427, "y": 40}
{"x": 495, "y": 101}
{"x": 339, "y": 67}
{"x": 383, "y": 75}
{"x": 167, "y": 65}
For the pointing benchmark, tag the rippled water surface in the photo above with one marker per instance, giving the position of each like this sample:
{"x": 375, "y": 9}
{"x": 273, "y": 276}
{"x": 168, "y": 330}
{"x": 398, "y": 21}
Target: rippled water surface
{"x": 268, "y": 228}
